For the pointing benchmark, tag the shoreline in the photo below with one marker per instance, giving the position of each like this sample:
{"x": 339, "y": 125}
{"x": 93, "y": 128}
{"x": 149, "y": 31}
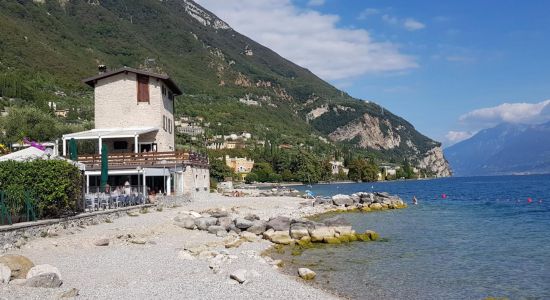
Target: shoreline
{"x": 126, "y": 269}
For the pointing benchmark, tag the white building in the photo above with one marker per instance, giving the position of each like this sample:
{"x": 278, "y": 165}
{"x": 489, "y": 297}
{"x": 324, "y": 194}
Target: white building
{"x": 134, "y": 119}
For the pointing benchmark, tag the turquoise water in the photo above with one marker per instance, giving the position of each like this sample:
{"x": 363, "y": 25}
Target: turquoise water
{"x": 484, "y": 240}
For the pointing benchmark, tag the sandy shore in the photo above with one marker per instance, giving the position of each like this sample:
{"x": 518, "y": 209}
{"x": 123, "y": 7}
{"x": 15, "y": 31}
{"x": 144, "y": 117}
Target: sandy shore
{"x": 154, "y": 270}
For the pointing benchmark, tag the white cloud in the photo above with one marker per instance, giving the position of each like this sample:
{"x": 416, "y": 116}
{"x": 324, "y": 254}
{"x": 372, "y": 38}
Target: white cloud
{"x": 367, "y": 12}
{"x": 316, "y": 2}
{"x": 413, "y": 25}
{"x": 310, "y": 38}
{"x": 454, "y": 137}
{"x": 528, "y": 113}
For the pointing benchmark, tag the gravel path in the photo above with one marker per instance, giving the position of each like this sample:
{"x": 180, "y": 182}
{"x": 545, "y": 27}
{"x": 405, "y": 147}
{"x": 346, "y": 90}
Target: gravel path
{"x": 124, "y": 270}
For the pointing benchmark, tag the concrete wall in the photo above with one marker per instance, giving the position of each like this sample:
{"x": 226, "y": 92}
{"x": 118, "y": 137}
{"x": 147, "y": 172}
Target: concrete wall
{"x": 116, "y": 106}
{"x": 196, "y": 180}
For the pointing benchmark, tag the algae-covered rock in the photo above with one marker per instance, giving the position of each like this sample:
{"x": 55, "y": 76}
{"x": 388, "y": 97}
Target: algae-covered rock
{"x": 372, "y": 235}
{"x": 319, "y": 233}
{"x": 306, "y": 273}
{"x": 332, "y": 240}
{"x": 375, "y": 206}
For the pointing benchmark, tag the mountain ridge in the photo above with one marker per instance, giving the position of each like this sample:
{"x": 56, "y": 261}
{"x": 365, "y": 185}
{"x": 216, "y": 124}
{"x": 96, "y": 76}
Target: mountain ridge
{"x": 227, "y": 77}
{"x": 505, "y": 149}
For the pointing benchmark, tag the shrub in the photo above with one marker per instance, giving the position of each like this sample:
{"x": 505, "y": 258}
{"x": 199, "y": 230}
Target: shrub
{"x": 55, "y": 185}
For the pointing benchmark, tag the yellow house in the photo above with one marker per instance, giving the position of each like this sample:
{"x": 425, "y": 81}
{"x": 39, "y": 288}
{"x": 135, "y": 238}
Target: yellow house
{"x": 239, "y": 165}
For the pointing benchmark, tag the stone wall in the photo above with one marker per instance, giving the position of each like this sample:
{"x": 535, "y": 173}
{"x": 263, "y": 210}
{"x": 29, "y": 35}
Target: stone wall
{"x": 16, "y": 235}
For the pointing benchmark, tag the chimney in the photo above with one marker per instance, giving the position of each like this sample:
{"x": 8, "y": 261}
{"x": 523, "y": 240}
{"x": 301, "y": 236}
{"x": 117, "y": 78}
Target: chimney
{"x": 102, "y": 69}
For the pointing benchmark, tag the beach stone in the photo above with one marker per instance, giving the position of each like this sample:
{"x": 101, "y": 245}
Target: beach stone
{"x": 306, "y": 273}
{"x": 186, "y": 222}
{"x": 252, "y": 217}
{"x": 46, "y": 280}
{"x": 218, "y": 213}
{"x": 249, "y": 236}
{"x": 238, "y": 275}
{"x": 225, "y": 222}
{"x": 5, "y": 273}
{"x": 278, "y": 237}
{"x": 221, "y": 233}
{"x": 18, "y": 264}
{"x": 233, "y": 228}
{"x": 298, "y": 230}
{"x": 278, "y": 224}
{"x": 234, "y": 243}
{"x": 204, "y": 222}
{"x": 72, "y": 293}
{"x": 215, "y": 228}
{"x": 18, "y": 281}
{"x": 195, "y": 214}
{"x": 242, "y": 223}
{"x": 102, "y": 242}
{"x": 320, "y": 233}
{"x": 342, "y": 200}
{"x": 138, "y": 241}
{"x": 258, "y": 227}
{"x": 43, "y": 269}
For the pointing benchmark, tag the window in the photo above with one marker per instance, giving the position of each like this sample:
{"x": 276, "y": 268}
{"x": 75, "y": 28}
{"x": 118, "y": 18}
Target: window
{"x": 169, "y": 126}
{"x": 120, "y": 145}
{"x": 164, "y": 122}
{"x": 163, "y": 88}
{"x": 142, "y": 88}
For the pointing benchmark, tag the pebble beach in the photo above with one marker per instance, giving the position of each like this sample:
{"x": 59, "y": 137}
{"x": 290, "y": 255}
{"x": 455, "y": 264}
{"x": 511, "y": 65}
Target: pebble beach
{"x": 148, "y": 257}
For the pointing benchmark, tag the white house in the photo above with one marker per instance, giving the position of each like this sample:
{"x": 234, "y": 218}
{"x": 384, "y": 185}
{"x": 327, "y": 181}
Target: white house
{"x": 134, "y": 118}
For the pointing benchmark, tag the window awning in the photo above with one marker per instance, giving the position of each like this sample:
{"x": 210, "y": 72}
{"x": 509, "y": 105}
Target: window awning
{"x": 109, "y": 133}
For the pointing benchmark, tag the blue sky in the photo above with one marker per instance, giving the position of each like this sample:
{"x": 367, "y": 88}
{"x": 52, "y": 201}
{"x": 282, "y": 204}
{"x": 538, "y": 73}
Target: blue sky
{"x": 448, "y": 67}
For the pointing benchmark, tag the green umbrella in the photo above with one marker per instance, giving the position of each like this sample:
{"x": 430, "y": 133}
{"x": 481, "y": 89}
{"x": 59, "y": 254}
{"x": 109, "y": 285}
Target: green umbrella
{"x": 73, "y": 154}
{"x": 104, "y": 167}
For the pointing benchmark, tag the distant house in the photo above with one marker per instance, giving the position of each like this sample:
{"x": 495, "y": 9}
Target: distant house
{"x": 239, "y": 165}
{"x": 62, "y": 113}
{"x": 337, "y": 167}
{"x": 189, "y": 129}
{"x": 388, "y": 170}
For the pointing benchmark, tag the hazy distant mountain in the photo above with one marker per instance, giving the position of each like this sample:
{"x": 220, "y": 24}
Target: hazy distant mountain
{"x": 504, "y": 149}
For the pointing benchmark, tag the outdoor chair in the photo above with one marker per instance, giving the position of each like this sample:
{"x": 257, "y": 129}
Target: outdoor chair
{"x": 104, "y": 201}
{"x": 116, "y": 200}
{"x": 91, "y": 202}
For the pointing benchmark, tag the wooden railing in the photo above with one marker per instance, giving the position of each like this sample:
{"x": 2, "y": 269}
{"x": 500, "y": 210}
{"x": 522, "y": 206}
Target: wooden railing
{"x": 144, "y": 159}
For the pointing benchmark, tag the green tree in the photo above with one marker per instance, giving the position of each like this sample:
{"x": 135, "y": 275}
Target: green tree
{"x": 30, "y": 122}
{"x": 219, "y": 170}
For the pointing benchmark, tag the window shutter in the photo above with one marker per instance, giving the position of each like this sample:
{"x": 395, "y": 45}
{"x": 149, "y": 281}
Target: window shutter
{"x": 143, "y": 88}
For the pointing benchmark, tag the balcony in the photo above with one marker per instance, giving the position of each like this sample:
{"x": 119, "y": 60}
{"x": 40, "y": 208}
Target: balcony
{"x": 144, "y": 160}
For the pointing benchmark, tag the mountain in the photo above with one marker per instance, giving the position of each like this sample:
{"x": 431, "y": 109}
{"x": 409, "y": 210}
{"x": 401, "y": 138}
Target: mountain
{"x": 502, "y": 150}
{"x": 47, "y": 46}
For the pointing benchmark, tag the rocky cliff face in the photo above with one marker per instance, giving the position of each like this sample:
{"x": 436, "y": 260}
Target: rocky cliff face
{"x": 435, "y": 162}
{"x": 369, "y": 132}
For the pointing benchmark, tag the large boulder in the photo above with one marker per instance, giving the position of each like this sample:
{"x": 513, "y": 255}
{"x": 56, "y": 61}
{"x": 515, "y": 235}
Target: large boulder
{"x": 252, "y": 217}
{"x": 258, "y": 227}
{"x": 233, "y": 228}
{"x": 306, "y": 273}
{"x": 320, "y": 233}
{"x": 375, "y": 206}
{"x": 214, "y": 229}
{"x": 43, "y": 269}
{"x": 186, "y": 222}
{"x": 279, "y": 223}
{"x": 203, "y": 223}
{"x": 242, "y": 223}
{"x": 278, "y": 237}
{"x": 342, "y": 200}
{"x": 225, "y": 222}
{"x": 46, "y": 280}
{"x": 18, "y": 264}
{"x": 218, "y": 212}
{"x": 102, "y": 242}
{"x": 249, "y": 236}
{"x": 5, "y": 273}
{"x": 298, "y": 230}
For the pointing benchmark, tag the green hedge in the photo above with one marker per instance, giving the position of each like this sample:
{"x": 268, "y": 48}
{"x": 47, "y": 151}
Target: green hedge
{"x": 55, "y": 185}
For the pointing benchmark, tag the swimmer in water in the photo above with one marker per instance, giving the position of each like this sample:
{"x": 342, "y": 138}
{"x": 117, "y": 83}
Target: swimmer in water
{"x": 415, "y": 202}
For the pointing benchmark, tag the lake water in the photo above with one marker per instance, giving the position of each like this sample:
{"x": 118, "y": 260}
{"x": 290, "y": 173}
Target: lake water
{"x": 484, "y": 240}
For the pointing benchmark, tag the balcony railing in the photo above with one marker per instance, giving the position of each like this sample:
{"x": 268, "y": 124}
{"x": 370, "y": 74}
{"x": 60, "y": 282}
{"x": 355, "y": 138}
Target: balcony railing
{"x": 144, "y": 159}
